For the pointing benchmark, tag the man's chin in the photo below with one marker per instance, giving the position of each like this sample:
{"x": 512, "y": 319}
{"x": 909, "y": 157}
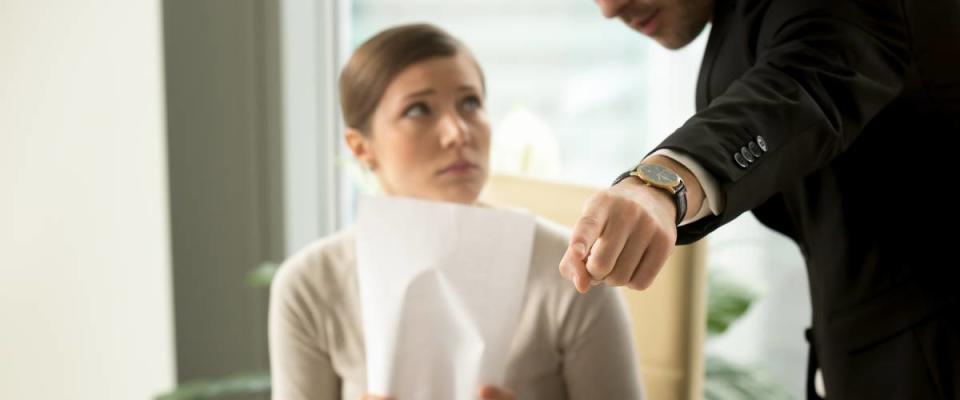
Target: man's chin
{"x": 672, "y": 43}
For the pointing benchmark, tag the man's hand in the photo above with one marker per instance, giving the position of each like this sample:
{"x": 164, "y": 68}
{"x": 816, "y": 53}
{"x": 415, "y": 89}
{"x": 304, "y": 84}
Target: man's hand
{"x": 627, "y": 232}
{"x": 623, "y": 238}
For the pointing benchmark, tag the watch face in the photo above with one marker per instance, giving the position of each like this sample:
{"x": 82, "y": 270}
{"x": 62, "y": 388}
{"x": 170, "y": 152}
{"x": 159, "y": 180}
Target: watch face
{"x": 658, "y": 175}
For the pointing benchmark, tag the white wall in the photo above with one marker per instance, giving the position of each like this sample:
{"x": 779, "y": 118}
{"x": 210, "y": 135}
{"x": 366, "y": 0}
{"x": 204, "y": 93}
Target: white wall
{"x": 85, "y": 304}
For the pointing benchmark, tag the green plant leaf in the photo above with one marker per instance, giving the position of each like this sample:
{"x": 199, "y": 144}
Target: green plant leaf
{"x": 262, "y": 276}
{"x": 726, "y": 380}
{"x": 240, "y": 384}
{"x": 727, "y": 301}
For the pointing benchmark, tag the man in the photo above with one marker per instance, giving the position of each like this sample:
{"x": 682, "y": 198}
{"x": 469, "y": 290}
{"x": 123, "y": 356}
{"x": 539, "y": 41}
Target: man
{"x": 833, "y": 122}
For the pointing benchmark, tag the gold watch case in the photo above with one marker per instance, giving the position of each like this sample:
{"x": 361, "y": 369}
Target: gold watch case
{"x": 658, "y": 176}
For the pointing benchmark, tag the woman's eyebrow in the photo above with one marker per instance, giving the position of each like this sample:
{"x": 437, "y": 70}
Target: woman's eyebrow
{"x": 420, "y": 93}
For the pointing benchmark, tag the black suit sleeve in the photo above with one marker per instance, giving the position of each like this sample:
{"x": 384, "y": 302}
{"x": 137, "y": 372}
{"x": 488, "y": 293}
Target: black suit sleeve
{"x": 821, "y": 73}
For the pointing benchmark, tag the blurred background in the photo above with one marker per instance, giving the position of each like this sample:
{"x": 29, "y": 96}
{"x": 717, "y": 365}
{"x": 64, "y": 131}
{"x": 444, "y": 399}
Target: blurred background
{"x": 154, "y": 154}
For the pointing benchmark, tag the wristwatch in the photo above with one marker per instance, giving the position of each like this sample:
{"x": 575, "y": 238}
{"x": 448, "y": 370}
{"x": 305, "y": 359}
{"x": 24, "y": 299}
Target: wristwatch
{"x": 663, "y": 178}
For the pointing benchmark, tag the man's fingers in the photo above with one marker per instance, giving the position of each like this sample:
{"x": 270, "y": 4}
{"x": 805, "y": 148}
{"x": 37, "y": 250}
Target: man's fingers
{"x": 574, "y": 268}
{"x": 585, "y": 233}
{"x": 651, "y": 263}
{"x": 629, "y": 258}
{"x": 591, "y": 224}
{"x": 607, "y": 248}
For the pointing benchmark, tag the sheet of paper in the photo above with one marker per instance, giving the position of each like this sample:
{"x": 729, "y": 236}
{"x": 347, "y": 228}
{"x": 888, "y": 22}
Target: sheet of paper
{"x": 441, "y": 286}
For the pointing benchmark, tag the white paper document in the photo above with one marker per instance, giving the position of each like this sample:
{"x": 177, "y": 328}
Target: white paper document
{"x": 441, "y": 286}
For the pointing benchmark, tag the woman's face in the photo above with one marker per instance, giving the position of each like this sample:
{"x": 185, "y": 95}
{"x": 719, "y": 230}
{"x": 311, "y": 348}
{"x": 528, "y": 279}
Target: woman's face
{"x": 429, "y": 135}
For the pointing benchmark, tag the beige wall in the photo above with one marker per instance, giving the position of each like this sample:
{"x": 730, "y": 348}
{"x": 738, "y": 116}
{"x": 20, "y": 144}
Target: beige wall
{"x": 85, "y": 303}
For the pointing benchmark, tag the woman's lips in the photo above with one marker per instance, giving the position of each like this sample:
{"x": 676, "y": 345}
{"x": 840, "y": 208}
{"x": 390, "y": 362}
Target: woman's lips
{"x": 458, "y": 168}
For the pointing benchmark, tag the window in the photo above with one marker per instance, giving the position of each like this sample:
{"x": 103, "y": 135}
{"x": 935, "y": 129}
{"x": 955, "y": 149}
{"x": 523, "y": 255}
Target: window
{"x": 571, "y": 96}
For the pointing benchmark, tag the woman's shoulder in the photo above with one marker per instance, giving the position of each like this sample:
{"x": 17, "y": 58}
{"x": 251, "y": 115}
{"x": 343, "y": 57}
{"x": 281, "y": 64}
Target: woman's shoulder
{"x": 550, "y": 237}
{"x": 321, "y": 267}
{"x": 549, "y": 243}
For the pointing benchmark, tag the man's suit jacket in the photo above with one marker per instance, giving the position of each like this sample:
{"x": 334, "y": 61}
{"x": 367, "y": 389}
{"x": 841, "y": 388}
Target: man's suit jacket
{"x": 835, "y": 122}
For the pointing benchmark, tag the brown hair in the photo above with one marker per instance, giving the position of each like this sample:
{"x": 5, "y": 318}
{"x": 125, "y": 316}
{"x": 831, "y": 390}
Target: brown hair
{"x": 378, "y": 60}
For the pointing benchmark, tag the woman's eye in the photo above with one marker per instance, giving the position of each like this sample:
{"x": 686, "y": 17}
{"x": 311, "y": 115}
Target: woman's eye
{"x": 416, "y": 110}
{"x": 472, "y": 103}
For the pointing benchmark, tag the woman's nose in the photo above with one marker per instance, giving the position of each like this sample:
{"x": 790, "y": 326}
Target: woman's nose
{"x": 454, "y": 131}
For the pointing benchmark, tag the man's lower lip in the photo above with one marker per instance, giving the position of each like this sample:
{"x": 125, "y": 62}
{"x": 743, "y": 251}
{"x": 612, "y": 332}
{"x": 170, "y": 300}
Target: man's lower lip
{"x": 649, "y": 26}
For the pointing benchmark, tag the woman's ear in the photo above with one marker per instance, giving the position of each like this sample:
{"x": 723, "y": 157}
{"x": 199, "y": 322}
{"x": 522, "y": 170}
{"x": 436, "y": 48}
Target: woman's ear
{"x": 361, "y": 148}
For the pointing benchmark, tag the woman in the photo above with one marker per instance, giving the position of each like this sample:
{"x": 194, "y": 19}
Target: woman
{"x": 413, "y": 101}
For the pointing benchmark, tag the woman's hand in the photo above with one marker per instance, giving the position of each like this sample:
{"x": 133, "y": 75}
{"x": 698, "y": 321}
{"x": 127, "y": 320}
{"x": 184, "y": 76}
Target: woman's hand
{"x": 490, "y": 392}
{"x": 487, "y": 392}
